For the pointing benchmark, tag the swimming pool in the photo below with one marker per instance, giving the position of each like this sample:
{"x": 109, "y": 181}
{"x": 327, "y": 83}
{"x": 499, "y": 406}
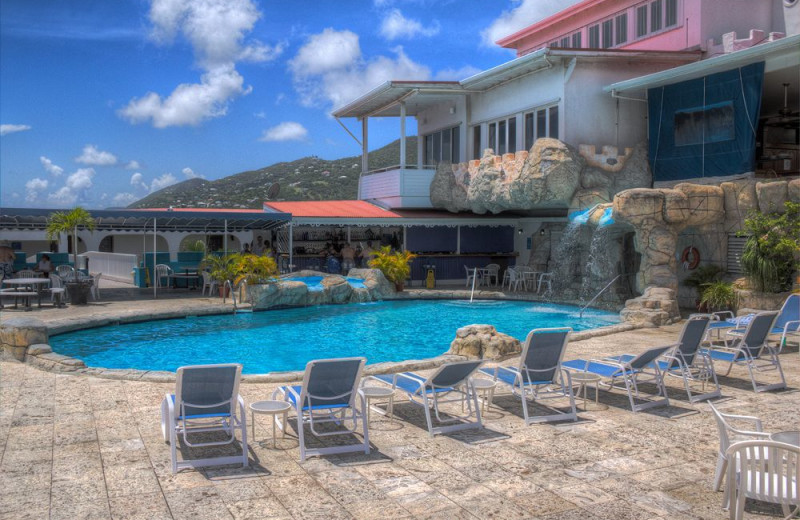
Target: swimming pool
{"x": 286, "y": 339}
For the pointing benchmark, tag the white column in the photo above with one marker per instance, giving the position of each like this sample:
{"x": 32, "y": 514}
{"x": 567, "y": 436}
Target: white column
{"x": 364, "y": 145}
{"x": 402, "y": 135}
{"x": 155, "y": 290}
{"x": 291, "y": 248}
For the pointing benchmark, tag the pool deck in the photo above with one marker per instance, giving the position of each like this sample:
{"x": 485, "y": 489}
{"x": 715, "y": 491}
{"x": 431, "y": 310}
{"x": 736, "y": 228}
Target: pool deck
{"x": 79, "y": 446}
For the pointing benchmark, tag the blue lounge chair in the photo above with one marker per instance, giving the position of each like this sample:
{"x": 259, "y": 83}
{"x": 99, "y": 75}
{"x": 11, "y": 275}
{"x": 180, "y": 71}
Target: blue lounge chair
{"x": 688, "y": 361}
{"x": 788, "y": 322}
{"x": 453, "y": 380}
{"x": 753, "y": 351}
{"x": 539, "y": 375}
{"x": 328, "y": 395}
{"x": 637, "y": 370}
{"x": 206, "y": 399}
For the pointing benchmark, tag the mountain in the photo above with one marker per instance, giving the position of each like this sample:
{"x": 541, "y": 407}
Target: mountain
{"x": 309, "y": 178}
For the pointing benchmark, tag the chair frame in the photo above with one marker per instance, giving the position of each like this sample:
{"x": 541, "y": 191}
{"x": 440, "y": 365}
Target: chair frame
{"x": 765, "y": 470}
{"x": 56, "y": 290}
{"x": 750, "y": 350}
{"x": 178, "y": 424}
{"x": 430, "y": 393}
{"x": 545, "y": 278}
{"x": 63, "y": 270}
{"x": 492, "y": 271}
{"x": 306, "y": 413}
{"x": 168, "y": 275}
{"x": 527, "y": 387}
{"x": 472, "y": 273}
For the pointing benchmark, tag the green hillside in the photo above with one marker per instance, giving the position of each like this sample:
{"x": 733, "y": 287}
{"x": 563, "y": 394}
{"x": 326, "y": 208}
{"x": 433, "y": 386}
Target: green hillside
{"x": 309, "y": 178}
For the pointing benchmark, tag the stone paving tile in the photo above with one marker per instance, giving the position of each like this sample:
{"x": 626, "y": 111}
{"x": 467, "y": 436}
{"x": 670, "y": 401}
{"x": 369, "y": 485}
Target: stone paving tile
{"x": 139, "y": 507}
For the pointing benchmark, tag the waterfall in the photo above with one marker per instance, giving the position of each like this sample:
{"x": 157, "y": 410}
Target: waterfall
{"x": 600, "y": 266}
{"x": 566, "y": 257}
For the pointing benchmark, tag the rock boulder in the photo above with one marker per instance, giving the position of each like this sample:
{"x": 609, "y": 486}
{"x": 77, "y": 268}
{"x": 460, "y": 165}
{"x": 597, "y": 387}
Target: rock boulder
{"x": 483, "y": 342}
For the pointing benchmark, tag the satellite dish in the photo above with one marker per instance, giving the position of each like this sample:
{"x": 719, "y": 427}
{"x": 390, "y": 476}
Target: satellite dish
{"x": 273, "y": 191}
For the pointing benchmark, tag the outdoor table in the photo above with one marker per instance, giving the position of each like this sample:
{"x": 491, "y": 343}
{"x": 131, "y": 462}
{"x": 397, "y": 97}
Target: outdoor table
{"x": 378, "y": 392}
{"x": 788, "y": 437}
{"x": 272, "y": 408}
{"x": 36, "y": 288}
{"x": 485, "y": 390}
{"x": 483, "y": 276}
{"x": 189, "y": 274}
{"x": 584, "y": 379}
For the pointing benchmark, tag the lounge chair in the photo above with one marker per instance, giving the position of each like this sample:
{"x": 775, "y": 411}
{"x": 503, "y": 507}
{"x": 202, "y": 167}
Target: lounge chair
{"x": 639, "y": 369}
{"x": 688, "y": 361}
{"x": 753, "y": 351}
{"x": 539, "y": 375}
{"x": 328, "y": 394}
{"x": 206, "y": 399}
{"x": 430, "y": 392}
{"x": 776, "y": 481}
{"x": 787, "y": 324}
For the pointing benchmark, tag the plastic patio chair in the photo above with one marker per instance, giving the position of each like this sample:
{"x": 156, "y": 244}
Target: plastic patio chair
{"x": 56, "y": 289}
{"x": 450, "y": 383}
{"x": 727, "y": 433}
{"x": 539, "y": 375}
{"x": 633, "y": 372}
{"x": 163, "y": 271}
{"x": 327, "y": 395}
{"x": 209, "y": 283}
{"x": 492, "y": 272}
{"x": 768, "y": 471}
{"x": 545, "y": 279}
{"x": 753, "y": 351}
{"x": 26, "y": 273}
{"x": 206, "y": 399}
{"x": 65, "y": 271}
{"x": 96, "y": 286}
{"x": 471, "y": 273}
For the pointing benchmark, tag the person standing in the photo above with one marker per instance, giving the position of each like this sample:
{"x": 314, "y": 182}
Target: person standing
{"x": 348, "y": 257}
{"x": 258, "y": 247}
{"x": 7, "y": 257}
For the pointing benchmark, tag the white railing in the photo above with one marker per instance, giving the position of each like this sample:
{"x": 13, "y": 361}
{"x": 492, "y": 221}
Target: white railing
{"x": 406, "y": 167}
{"x": 115, "y": 266}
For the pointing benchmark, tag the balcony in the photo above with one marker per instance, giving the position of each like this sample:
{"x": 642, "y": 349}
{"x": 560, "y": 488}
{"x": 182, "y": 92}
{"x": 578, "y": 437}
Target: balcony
{"x": 398, "y": 188}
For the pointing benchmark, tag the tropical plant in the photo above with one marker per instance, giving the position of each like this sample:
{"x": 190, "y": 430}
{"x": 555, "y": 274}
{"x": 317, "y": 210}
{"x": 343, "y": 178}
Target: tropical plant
{"x": 253, "y": 268}
{"x": 718, "y": 296}
{"x": 395, "y": 266}
{"x": 703, "y": 275}
{"x": 69, "y": 222}
{"x": 198, "y": 246}
{"x": 770, "y": 254}
{"x": 221, "y": 268}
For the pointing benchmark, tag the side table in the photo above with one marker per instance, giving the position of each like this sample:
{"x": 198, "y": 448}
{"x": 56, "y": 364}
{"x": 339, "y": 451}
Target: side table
{"x": 272, "y": 408}
{"x": 584, "y": 379}
{"x": 377, "y": 392}
{"x": 485, "y": 390}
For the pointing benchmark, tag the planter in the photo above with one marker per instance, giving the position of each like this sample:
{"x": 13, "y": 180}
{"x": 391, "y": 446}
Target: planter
{"x": 399, "y": 286}
{"x": 224, "y": 292}
{"x": 78, "y": 292}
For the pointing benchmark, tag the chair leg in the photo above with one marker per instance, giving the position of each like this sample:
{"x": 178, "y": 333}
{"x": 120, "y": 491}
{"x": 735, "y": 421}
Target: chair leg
{"x": 719, "y": 473}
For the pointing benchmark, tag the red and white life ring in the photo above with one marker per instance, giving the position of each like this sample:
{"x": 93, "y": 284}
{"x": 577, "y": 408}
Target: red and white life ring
{"x": 690, "y": 258}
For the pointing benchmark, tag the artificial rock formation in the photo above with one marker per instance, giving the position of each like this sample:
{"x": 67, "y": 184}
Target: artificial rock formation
{"x": 483, "y": 342}
{"x": 17, "y": 334}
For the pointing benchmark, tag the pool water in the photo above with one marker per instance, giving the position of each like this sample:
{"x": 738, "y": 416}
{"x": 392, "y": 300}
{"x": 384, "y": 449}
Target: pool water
{"x": 314, "y": 283}
{"x": 286, "y": 339}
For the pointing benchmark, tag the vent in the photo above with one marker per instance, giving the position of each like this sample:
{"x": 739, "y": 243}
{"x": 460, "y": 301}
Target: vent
{"x": 735, "y": 249}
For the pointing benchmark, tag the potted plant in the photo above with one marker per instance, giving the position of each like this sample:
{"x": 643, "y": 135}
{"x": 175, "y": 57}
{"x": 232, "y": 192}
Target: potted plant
{"x": 718, "y": 296}
{"x": 221, "y": 268}
{"x": 702, "y": 276}
{"x": 395, "y": 266}
{"x": 255, "y": 269}
{"x": 69, "y": 222}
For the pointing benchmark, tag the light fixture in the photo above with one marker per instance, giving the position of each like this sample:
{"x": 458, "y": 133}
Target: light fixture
{"x": 541, "y": 231}
{"x": 519, "y": 231}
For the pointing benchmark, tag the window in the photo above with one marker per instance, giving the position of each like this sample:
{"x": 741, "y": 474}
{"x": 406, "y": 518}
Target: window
{"x": 576, "y": 40}
{"x": 706, "y": 124}
{"x": 476, "y": 142}
{"x": 641, "y": 21}
{"x": 443, "y": 146}
{"x": 671, "y": 15}
{"x": 594, "y": 37}
{"x": 529, "y": 135}
{"x": 503, "y": 135}
{"x": 493, "y": 137}
{"x": 608, "y": 33}
{"x": 621, "y": 29}
{"x": 542, "y": 122}
{"x": 512, "y": 135}
{"x": 553, "y": 44}
{"x": 655, "y": 16}
{"x": 553, "y": 113}
{"x": 565, "y": 42}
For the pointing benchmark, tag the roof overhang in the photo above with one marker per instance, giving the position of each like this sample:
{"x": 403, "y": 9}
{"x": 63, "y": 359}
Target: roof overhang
{"x": 179, "y": 219}
{"x": 779, "y": 54}
{"x": 384, "y": 101}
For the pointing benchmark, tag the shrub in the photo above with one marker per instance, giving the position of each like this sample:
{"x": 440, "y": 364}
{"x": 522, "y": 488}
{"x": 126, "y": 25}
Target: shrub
{"x": 769, "y": 256}
{"x": 718, "y": 296}
{"x": 395, "y": 266}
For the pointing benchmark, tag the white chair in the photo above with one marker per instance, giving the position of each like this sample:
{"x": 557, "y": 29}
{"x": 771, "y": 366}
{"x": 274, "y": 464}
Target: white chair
{"x": 209, "y": 283}
{"x": 507, "y": 276}
{"x": 163, "y": 271}
{"x": 768, "y": 471}
{"x": 96, "y": 286}
{"x": 545, "y": 279}
{"x": 206, "y": 399}
{"x": 471, "y": 274}
{"x": 64, "y": 271}
{"x": 56, "y": 289}
{"x": 492, "y": 272}
{"x": 26, "y": 273}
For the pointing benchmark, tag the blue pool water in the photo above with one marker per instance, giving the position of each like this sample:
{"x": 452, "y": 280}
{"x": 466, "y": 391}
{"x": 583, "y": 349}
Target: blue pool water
{"x": 286, "y": 339}
{"x": 314, "y": 283}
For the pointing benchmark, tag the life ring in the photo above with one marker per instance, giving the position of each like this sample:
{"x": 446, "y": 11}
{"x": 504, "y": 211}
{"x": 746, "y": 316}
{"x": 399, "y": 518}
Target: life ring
{"x": 690, "y": 258}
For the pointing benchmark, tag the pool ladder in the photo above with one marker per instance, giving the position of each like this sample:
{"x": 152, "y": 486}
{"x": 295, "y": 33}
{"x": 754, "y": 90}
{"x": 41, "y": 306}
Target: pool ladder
{"x": 229, "y": 285}
{"x": 598, "y": 294}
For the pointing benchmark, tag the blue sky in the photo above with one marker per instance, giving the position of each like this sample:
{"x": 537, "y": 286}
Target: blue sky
{"x": 103, "y": 102}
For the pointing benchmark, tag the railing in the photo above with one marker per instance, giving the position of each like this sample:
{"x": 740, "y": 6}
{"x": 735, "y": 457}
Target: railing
{"x": 406, "y": 167}
{"x": 241, "y": 288}
{"x": 115, "y": 266}
{"x": 580, "y": 315}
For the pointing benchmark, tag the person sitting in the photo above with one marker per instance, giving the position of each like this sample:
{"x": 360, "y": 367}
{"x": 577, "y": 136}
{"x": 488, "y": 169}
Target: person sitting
{"x": 44, "y": 265}
{"x": 246, "y": 249}
{"x": 348, "y": 257}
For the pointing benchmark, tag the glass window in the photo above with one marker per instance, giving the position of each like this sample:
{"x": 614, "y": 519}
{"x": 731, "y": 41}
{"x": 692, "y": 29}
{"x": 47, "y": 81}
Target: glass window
{"x": 608, "y": 33}
{"x": 512, "y": 135}
{"x": 553, "y": 122}
{"x": 493, "y": 137}
{"x": 655, "y": 16}
{"x": 456, "y": 146}
{"x": 446, "y": 149}
{"x": 428, "y": 153}
{"x": 529, "y": 137}
{"x": 576, "y": 40}
{"x": 641, "y": 21}
{"x": 671, "y": 14}
{"x": 565, "y": 42}
{"x": 476, "y": 142}
{"x": 437, "y": 147}
{"x": 594, "y": 37}
{"x": 501, "y": 137}
{"x": 622, "y": 29}
{"x": 553, "y": 44}
{"x": 541, "y": 123}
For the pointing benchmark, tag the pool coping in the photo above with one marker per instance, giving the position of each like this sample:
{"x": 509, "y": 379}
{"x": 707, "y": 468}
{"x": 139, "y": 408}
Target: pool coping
{"x": 41, "y": 355}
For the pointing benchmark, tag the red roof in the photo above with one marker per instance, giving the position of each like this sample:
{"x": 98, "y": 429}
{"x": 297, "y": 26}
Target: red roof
{"x": 331, "y": 209}
{"x": 204, "y": 210}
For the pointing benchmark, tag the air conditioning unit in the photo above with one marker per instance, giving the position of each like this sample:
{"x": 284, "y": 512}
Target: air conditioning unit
{"x": 791, "y": 16}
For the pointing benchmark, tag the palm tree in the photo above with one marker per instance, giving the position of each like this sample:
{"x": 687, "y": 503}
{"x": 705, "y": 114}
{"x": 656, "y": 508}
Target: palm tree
{"x": 69, "y": 222}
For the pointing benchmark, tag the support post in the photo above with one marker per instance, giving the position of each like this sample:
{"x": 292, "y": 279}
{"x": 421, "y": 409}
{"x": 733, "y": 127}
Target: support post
{"x": 155, "y": 281}
{"x": 402, "y": 135}
{"x": 291, "y": 248}
{"x": 364, "y": 152}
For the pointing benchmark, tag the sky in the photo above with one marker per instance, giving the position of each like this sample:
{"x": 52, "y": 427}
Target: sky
{"x": 102, "y": 103}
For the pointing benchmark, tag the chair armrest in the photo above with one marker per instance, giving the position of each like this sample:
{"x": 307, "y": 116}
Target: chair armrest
{"x": 791, "y": 325}
{"x": 725, "y": 314}
{"x": 755, "y": 420}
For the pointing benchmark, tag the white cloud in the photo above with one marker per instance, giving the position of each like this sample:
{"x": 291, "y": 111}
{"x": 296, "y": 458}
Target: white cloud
{"x": 216, "y": 29}
{"x": 123, "y": 199}
{"x": 394, "y": 26}
{"x": 76, "y": 188}
{"x": 162, "y": 182}
{"x": 329, "y": 69}
{"x": 94, "y": 157}
{"x": 526, "y": 12}
{"x": 33, "y": 187}
{"x": 81, "y": 179}
{"x": 51, "y": 168}
{"x": 137, "y": 181}
{"x": 456, "y": 74}
{"x": 190, "y": 174}
{"x": 133, "y": 165}
{"x": 286, "y": 131}
{"x": 62, "y": 197}
{"x": 10, "y": 129}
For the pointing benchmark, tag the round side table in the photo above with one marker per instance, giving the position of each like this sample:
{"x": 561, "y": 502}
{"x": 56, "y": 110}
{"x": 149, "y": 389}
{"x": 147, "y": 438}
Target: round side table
{"x": 485, "y": 390}
{"x": 272, "y": 408}
{"x": 788, "y": 437}
{"x": 378, "y": 392}
{"x": 584, "y": 379}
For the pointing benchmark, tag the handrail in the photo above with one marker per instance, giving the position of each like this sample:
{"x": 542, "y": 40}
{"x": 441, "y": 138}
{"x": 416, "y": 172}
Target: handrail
{"x": 229, "y": 285}
{"x": 474, "y": 277}
{"x": 580, "y": 315}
